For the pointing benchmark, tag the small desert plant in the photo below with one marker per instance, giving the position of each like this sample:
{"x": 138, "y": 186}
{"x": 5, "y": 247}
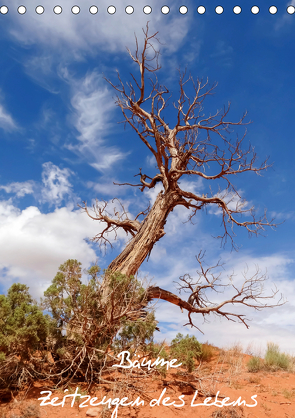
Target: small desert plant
{"x": 186, "y": 350}
{"x": 249, "y": 349}
{"x": 274, "y": 359}
{"x": 157, "y": 349}
{"x": 162, "y": 370}
{"x": 207, "y": 352}
{"x": 31, "y": 411}
{"x": 254, "y": 380}
{"x": 229, "y": 412}
{"x": 255, "y": 364}
{"x": 265, "y": 407}
{"x": 235, "y": 384}
{"x": 288, "y": 394}
{"x": 233, "y": 355}
{"x": 236, "y": 349}
{"x": 136, "y": 333}
{"x": 80, "y": 392}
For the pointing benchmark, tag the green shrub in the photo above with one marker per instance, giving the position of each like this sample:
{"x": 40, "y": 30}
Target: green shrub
{"x": 136, "y": 334}
{"x": 274, "y": 359}
{"x": 24, "y": 330}
{"x": 84, "y": 313}
{"x": 186, "y": 350}
{"x": 255, "y": 364}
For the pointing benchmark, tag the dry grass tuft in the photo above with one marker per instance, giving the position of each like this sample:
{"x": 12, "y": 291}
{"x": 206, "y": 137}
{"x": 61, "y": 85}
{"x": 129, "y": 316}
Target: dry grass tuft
{"x": 31, "y": 411}
{"x": 208, "y": 352}
{"x": 229, "y": 412}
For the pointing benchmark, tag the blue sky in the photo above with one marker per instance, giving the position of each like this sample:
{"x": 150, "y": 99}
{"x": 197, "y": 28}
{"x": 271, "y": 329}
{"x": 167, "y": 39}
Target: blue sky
{"x": 61, "y": 143}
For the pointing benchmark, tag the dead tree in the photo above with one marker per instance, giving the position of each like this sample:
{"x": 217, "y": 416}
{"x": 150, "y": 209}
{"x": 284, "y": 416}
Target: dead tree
{"x": 197, "y": 145}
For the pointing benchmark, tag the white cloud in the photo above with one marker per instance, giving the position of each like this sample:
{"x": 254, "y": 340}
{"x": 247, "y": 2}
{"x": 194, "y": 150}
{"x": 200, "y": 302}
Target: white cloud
{"x": 233, "y": 201}
{"x": 194, "y": 51}
{"x": 153, "y": 193}
{"x": 56, "y": 183}
{"x": 282, "y": 216}
{"x": 110, "y": 156}
{"x": 20, "y": 189}
{"x": 192, "y": 186}
{"x": 186, "y": 185}
{"x": 222, "y": 55}
{"x": 277, "y": 265}
{"x": 6, "y": 121}
{"x": 33, "y": 244}
{"x": 64, "y": 39}
{"x": 53, "y": 190}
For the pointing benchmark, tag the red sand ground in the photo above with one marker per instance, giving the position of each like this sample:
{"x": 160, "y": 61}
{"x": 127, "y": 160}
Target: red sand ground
{"x": 226, "y": 373}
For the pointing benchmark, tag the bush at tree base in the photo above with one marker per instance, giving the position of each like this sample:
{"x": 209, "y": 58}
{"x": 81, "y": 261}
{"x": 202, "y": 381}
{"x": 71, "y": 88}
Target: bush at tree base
{"x": 84, "y": 328}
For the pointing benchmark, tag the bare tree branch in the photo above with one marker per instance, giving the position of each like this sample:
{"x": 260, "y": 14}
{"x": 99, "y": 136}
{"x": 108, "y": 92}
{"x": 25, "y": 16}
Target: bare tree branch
{"x": 250, "y": 294}
{"x": 112, "y": 224}
{"x": 182, "y": 150}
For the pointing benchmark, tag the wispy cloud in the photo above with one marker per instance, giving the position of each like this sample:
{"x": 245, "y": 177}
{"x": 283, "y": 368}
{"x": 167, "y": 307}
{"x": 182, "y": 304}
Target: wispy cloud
{"x": 6, "y": 121}
{"x": 93, "y": 105}
{"x": 223, "y": 54}
{"x": 78, "y": 35}
{"x": 222, "y": 49}
{"x": 194, "y": 51}
{"x": 106, "y": 187}
{"x": 282, "y": 216}
{"x": 93, "y": 109}
{"x": 151, "y": 161}
{"x": 152, "y": 194}
{"x": 286, "y": 19}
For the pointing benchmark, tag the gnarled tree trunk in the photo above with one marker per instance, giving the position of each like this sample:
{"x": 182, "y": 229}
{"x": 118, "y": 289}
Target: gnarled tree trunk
{"x": 150, "y": 231}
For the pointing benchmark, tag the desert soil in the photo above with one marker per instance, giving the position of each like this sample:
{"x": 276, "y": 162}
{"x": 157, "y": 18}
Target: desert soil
{"x": 226, "y": 373}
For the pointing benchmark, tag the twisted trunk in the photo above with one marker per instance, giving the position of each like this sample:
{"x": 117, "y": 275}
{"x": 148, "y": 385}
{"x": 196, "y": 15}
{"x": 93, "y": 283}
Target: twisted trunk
{"x": 151, "y": 230}
{"x": 139, "y": 247}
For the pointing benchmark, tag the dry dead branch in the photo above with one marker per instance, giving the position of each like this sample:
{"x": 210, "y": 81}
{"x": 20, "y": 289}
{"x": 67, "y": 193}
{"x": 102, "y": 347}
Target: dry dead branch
{"x": 199, "y": 145}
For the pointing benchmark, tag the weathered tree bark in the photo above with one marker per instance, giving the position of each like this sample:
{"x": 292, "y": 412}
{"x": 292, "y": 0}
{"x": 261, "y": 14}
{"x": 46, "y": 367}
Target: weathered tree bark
{"x": 150, "y": 231}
